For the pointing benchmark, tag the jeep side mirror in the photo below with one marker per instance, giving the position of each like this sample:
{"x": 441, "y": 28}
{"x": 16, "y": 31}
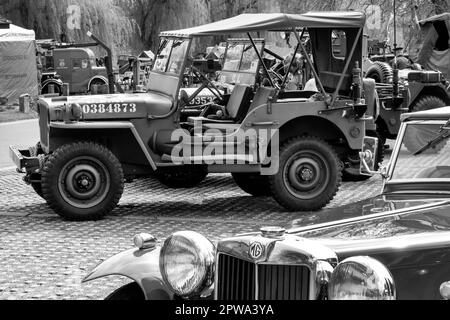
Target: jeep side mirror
{"x": 368, "y": 156}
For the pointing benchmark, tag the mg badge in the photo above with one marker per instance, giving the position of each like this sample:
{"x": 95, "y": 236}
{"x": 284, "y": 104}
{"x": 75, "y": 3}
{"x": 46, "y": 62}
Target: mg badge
{"x": 256, "y": 250}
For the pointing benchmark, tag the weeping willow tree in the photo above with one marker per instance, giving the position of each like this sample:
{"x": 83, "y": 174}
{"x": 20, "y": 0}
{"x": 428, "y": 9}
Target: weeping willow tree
{"x": 73, "y": 18}
{"x": 132, "y": 25}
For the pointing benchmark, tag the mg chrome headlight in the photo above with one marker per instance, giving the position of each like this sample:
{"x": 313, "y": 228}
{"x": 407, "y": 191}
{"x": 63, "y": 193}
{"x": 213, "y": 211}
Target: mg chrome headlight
{"x": 187, "y": 263}
{"x": 361, "y": 278}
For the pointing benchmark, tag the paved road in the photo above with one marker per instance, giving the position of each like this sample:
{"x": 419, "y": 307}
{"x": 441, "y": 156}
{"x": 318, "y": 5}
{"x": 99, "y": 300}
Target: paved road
{"x": 24, "y": 133}
{"x": 44, "y": 257}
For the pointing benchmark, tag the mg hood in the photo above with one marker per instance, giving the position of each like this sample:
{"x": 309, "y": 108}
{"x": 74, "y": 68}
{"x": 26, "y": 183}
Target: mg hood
{"x": 379, "y": 217}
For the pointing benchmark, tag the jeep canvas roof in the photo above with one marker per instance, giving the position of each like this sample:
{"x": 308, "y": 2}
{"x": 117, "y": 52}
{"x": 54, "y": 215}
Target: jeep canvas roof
{"x": 274, "y": 22}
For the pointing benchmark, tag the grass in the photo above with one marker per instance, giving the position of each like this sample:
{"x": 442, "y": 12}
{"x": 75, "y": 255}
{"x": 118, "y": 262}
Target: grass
{"x": 10, "y": 113}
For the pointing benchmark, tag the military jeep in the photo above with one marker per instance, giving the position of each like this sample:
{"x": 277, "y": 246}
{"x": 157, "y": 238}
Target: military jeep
{"x": 293, "y": 145}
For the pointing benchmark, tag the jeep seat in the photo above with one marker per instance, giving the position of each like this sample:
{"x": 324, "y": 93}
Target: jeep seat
{"x": 262, "y": 96}
{"x": 236, "y": 109}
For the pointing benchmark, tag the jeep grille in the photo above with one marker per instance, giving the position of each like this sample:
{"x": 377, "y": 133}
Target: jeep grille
{"x": 44, "y": 124}
{"x": 239, "y": 279}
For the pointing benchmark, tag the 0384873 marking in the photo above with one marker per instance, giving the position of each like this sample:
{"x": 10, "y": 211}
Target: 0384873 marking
{"x": 109, "y": 108}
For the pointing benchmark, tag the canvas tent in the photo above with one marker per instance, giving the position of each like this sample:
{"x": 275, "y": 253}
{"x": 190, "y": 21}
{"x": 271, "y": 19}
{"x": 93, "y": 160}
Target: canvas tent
{"x": 18, "y": 72}
{"x": 435, "y": 51}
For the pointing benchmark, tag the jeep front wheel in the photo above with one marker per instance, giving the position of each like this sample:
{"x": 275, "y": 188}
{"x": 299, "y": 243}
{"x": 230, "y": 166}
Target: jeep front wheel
{"x": 309, "y": 176}
{"x": 82, "y": 181}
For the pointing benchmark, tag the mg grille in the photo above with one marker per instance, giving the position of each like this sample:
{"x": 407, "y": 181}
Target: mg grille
{"x": 242, "y": 280}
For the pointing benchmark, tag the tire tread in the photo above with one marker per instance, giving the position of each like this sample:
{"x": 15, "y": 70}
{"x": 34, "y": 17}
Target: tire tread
{"x": 48, "y": 173}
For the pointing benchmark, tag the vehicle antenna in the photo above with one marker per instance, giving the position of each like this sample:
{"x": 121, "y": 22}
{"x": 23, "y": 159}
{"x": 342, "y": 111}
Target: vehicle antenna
{"x": 395, "y": 69}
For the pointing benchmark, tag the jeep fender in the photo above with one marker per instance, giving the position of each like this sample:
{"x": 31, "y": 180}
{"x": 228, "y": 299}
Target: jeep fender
{"x": 280, "y": 113}
{"x": 98, "y": 127}
{"x": 142, "y": 266}
{"x": 418, "y": 89}
{"x": 101, "y": 78}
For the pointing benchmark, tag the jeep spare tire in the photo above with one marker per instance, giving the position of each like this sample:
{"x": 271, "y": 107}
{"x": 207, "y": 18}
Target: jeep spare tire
{"x": 381, "y": 72}
{"x": 416, "y": 138}
{"x": 309, "y": 175}
{"x": 82, "y": 181}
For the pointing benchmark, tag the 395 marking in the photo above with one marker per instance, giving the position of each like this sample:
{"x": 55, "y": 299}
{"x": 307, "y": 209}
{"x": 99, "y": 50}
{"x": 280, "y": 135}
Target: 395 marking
{"x": 109, "y": 108}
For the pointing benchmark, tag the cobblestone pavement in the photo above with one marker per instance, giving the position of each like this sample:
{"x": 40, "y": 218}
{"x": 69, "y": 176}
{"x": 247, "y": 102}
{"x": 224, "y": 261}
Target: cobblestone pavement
{"x": 44, "y": 257}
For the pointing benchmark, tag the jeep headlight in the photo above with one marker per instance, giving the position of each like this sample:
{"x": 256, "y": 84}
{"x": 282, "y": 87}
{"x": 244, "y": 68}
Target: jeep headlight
{"x": 361, "y": 278}
{"x": 187, "y": 263}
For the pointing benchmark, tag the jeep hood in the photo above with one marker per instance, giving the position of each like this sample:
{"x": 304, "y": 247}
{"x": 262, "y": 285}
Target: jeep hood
{"x": 133, "y": 105}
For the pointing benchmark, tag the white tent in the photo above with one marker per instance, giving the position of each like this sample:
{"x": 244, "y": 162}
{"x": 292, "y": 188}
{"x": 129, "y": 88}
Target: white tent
{"x": 18, "y": 71}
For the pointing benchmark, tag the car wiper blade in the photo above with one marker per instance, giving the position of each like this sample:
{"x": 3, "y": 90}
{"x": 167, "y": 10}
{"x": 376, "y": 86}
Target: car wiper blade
{"x": 443, "y": 134}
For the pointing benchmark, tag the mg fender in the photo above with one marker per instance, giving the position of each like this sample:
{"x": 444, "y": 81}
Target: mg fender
{"x": 142, "y": 266}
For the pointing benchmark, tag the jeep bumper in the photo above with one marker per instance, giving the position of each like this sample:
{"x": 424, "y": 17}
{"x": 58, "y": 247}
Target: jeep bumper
{"x": 23, "y": 159}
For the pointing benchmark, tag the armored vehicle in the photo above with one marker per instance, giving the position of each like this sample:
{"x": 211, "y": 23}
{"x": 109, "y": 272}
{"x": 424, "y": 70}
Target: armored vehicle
{"x": 293, "y": 145}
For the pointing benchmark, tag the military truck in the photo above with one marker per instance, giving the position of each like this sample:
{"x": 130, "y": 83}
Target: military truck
{"x": 402, "y": 85}
{"x": 77, "y": 65}
{"x": 293, "y": 145}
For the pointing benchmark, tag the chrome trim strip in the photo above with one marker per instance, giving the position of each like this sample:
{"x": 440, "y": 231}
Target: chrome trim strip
{"x": 368, "y": 217}
{"x": 216, "y": 277}
{"x": 256, "y": 282}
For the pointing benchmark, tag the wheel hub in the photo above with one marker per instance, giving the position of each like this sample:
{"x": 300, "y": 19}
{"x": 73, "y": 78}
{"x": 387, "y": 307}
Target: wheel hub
{"x": 84, "y": 182}
{"x": 306, "y": 174}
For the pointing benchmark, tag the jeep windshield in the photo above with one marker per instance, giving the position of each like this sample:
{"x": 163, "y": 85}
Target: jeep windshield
{"x": 171, "y": 55}
{"x": 424, "y": 152}
{"x": 241, "y": 61}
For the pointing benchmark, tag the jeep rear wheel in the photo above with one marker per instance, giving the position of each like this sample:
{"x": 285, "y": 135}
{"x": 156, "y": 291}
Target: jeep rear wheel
{"x": 187, "y": 176}
{"x": 82, "y": 181}
{"x": 253, "y": 183}
{"x": 414, "y": 138}
{"x": 309, "y": 176}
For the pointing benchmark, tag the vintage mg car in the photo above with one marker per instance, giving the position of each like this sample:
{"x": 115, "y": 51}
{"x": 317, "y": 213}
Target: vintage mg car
{"x": 394, "y": 246}
{"x": 293, "y": 145}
